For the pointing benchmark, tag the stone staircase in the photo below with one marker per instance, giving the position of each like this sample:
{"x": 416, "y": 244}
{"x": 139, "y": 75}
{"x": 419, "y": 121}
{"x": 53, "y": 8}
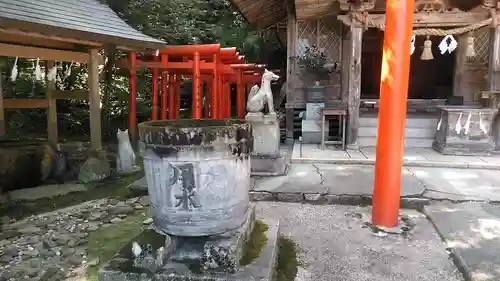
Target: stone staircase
{"x": 419, "y": 132}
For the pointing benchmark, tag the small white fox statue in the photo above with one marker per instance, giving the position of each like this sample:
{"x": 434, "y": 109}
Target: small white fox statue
{"x": 125, "y": 159}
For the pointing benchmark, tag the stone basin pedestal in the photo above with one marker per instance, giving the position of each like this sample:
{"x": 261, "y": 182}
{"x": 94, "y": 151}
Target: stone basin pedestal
{"x": 198, "y": 178}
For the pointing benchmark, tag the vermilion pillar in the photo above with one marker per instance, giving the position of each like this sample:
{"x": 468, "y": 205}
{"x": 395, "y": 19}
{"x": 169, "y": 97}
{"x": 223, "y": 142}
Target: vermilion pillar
{"x": 392, "y": 112}
{"x": 163, "y": 103}
{"x": 197, "y": 97}
{"x": 132, "y": 108}
{"x": 215, "y": 89}
{"x": 171, "y": 96}
{"x": 154, "y": 94}
{"x": 164, "y": 83}
{"x": 177, "y": 109}
{"x": 240, "y": 95}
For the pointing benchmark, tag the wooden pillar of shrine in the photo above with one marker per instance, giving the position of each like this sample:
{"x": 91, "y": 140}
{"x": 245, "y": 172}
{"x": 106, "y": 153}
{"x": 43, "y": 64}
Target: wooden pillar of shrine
{"x": 355, "y": 38}
{"x": 51, "y": 107}
{"x": 95, "y": 101}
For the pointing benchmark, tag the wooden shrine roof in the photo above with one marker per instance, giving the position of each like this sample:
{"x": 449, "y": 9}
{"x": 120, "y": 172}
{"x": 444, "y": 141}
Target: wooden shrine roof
{"x": 87, "y": 20}
{"x": 262, "y": 13}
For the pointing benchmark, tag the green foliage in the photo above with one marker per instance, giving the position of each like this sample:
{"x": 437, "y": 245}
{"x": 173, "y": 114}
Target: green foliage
{"x": 174, "y": 21}
{"x": 256, "y": 242}
{"x": 288, "y": 262}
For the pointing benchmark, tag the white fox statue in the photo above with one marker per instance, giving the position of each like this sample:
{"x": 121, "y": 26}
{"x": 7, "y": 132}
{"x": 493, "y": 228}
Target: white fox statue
{"x": 258, "y": 97}
{"x": 125, "y": 158}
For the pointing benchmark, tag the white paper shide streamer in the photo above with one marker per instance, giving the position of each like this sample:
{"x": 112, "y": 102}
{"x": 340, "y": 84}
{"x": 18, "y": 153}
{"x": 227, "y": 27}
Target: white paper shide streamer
{"x": 38, "y": 71}
{"x": 412, "y": 46}
{"x": 13, "y": 75}
{"x": 444, "y": 46}
{"x": 52, "y": 74}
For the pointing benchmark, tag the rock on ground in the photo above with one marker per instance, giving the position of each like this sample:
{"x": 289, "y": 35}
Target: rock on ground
{"x": 334, "y": 245}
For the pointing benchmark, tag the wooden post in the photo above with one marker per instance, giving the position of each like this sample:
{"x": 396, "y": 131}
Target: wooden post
{"x": 291, "y": 30}
{"x": 392, "y": 113}
{"x": 346, "y": 56}
{"x": 494, "y": 60}
{"x": 132, "y": 106}
{"x": 52, "y": 107}
{"x": 354, "y": 84}
{"x": 95, "y": 100}
{"x": 197, "y": 97}
{"x": 2, "y": 114}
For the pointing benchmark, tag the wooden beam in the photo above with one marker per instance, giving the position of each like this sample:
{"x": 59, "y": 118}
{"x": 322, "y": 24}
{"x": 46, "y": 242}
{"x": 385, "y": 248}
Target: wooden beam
{"x": 95, "y": 100}
{"x": 10, "y": 50}
{"x": 494, "y": 60}
{"x": 72, "y": 95}
{"x": 52, "y": 107}
{"x": 46, "y": 38}
{"x": 25, "y": 103}
{"x": 354, "y": 85}
{"x": 430, "y": 19}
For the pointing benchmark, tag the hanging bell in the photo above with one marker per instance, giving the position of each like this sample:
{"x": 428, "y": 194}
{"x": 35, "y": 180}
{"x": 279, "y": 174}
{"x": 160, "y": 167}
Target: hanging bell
{"x": 427, "y": 52}
{"x": 38, "y": 71}
{"x": 471, "y": 51}
{"x": 13, "y": 74}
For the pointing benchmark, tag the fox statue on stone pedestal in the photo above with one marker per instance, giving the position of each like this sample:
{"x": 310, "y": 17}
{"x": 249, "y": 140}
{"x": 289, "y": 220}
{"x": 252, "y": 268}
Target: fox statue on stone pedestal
{"x": 258, "y": 97}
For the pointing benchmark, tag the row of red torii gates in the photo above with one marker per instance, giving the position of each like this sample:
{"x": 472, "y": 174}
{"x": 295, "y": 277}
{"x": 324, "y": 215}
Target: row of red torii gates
{"x": 222, "y": 65}
{"x": 207, "y": 64}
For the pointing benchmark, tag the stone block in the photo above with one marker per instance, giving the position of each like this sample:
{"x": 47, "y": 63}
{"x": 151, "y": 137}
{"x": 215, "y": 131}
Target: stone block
{"x": 465, "y": 131}
{"x": 264, "y": 165}
{"x": 311, "y": 131}
{"x": 266, "y": 133}
{"x": 313, "y": 111}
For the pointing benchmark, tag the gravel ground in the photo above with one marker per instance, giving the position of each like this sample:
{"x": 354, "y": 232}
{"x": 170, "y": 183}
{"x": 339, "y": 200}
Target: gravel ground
{"x": 335, "y": 245}
{"x": 53, "y": 246}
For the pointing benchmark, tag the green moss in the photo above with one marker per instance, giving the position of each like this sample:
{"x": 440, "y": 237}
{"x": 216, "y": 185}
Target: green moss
{"x": 255, "y": 243}
{"x": 106, "y": 242}
{"x": 113, "y": 187}
{"x": 288, "y": 262}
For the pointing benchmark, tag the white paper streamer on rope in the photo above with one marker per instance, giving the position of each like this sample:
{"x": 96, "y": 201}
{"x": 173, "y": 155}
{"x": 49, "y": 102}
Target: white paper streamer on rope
{"x": 13, "y": 74}
{"x": 412, "y": 48}
{"x": 68, "y": 70}
{"x": 481, "y": 124}
{"x": 467, "y": 124}
{"x": 458, "y": 126}
{"x": 52, "y": 74}
{"x": 38, "y": 71}
{"x": 444, "y": 46}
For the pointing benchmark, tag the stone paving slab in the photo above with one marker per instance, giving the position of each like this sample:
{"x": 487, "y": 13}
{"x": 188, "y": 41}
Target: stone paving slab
{"x": 413, "y": 157}
{"x": 334, "y": 245}
{"x": 472, "y": 233}
{"x": 46, "y": 191}
{"x": 458, "y": 184}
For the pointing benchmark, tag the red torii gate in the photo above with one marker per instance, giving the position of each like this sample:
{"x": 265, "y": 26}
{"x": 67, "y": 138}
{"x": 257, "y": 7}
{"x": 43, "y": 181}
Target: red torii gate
{"x": 208, "y": 63}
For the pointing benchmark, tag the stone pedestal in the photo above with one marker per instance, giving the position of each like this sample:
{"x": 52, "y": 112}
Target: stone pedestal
{"x": 464, "y": 130}
{"x": 311, "y": 125}
{"x": 266, "y": 157}
{"x": 215, "y": 257}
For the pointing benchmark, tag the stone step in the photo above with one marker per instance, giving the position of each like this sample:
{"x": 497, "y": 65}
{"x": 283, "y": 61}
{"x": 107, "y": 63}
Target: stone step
{"x": 409, "y": 142}
{"x": 425, "y": 122}
{"x": 409, "y": 132}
